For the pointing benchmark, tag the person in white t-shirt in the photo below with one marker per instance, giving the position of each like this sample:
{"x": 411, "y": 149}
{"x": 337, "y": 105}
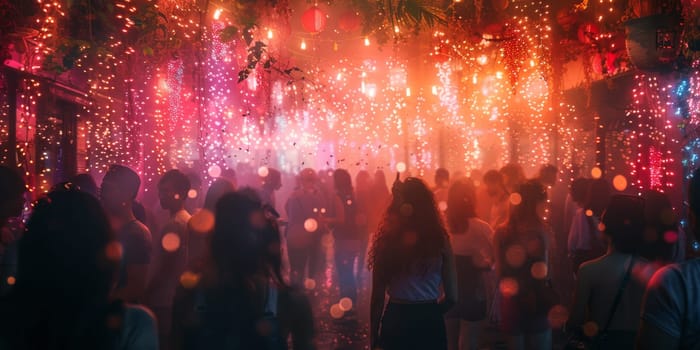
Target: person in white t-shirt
{"x": 471, "y": 244}
{"x": 671, "y": 307}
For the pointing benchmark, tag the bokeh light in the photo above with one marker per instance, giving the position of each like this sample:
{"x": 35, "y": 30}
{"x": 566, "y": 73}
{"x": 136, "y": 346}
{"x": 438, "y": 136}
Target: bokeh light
{"x": 171, "y": 242}
{"x": 214, "y": 171}
{"x": 310, "y": 284}
{"x": 202, "y": 221}
{"x": 596, "y": 173}
{"x": 189, "y": 279}
{"x": 345, "y": 304}
{"x": 515, "y": 198}
{"x": 401, "y": 167}
{"x": 515, "y": 256}
{"x": 620, "y": 183}
{"x": 538, "y": 270}
{"x": 557, "y": 316}
{"x": 590, "y": 329}
{"x": 114, "y": 251}
{"x": 336, "y": 312}
{"x": 508, "y": 287}
{"x": 263, "y": 171}
{"x": 310, "y": 225}
{"x": 671, "y": 237}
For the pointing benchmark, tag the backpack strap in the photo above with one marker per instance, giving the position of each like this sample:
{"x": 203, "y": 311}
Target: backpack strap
{"x": 618, "y": 296}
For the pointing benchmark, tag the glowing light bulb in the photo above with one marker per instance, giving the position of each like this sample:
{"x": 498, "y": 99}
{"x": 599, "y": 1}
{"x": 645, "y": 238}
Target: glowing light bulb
{"x": 263, "y": 171}
{"x": 214, "y": 171}
{"x": 401, "y": 167}
{"x": 482, "y": 60}
{"x": 303, "y": 44}
{"x": 408, "y": 92}
{"x": 269, "y": 34}
{"x": 366, "y": 41}
{"x": 217, "y": 13}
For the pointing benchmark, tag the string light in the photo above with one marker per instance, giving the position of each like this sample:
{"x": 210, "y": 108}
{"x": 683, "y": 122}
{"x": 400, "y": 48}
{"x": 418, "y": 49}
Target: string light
{"x": 492, "y": 100}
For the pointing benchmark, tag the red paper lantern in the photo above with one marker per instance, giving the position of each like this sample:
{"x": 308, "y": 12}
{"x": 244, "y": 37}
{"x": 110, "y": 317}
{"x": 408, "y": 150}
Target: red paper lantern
{"x": 349, "y": 21}
{"x": 313, "y": 20}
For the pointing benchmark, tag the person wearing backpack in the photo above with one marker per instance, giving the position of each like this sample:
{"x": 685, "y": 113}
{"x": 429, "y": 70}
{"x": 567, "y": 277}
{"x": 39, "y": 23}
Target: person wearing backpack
{"x": 609, "y": 290}
{"x": 236, "y": 297}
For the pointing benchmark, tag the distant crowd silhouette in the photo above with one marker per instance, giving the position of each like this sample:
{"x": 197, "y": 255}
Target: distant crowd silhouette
{"x": 481, "y": 261}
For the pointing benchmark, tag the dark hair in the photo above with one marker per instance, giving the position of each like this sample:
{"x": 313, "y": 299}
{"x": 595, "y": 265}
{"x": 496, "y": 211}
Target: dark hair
{"x": 380, "y": 180}
{"x": 412, "y": 231}
{"x": 513, "y": 175}
{"x": 548, "y": 169}
{"x": 273, "y": 178}
{"x": 342, "y": 182}
{"x": 66, "y": 271}
{"x": 597, "y": 196}
{"x": 493, "y": 176}
{"x": 548, "y": 174}
{"x": 178, "y": 179}
{"x": 126, "y": 178}
{"x": 532, "y": 193}
{"x": 218, "y": 189}
{"x": 363, "y": 178}
{"x": 660, "y": 219}
{"x": 624, "y": 223}
{"x": 86, "y": 183}
{"x": 195, "y": 180}
{"x": 268, "y": 240}
{"x": 229, "y": 174}
{"x": 139, "y": 212}
{"x": 579, "y": 190}
{"x": 233, "y": 242}
{"x": 461, "y": 205}
{"x": 442, "y": 174}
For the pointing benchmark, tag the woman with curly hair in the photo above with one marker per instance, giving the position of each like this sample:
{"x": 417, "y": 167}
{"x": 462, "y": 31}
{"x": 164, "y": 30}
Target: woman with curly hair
{"x": 411, "y": 259}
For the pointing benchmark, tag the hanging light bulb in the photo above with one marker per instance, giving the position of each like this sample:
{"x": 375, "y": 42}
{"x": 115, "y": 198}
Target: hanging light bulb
{"x": 303, "y": 44}
{"x": 217, "y": 13}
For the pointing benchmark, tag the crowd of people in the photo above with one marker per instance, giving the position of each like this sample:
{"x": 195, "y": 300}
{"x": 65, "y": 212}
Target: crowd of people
{"x": 90, "y": 267}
